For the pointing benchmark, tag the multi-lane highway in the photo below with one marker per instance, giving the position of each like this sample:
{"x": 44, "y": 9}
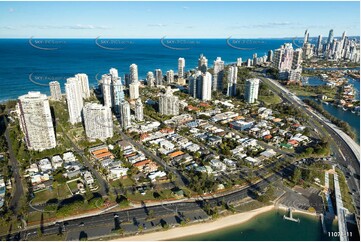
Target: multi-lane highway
{"x": 344, "y": 150}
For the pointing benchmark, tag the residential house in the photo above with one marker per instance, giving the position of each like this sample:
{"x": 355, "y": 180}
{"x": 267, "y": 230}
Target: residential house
{"x": 57, "y": 162}
{"x": 45, "y": 165}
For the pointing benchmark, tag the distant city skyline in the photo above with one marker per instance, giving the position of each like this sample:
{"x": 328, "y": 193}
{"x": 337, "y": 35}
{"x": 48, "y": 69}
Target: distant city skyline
{"x": 177, "y": 19}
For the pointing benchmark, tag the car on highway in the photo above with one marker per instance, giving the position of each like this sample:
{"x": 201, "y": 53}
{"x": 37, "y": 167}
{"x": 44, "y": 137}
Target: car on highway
{"x": 81, "y": 224}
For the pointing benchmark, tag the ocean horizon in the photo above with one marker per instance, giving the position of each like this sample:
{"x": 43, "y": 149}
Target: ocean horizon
{"x": 30, "y": 64}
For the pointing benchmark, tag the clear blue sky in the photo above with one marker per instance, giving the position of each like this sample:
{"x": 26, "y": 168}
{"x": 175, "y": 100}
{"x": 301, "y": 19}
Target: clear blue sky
{"x": 177, "y": 19}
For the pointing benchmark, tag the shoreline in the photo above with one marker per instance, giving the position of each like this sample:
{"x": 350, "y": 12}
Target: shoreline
{"x": 199, "y": 228}
{"x": 298, "y": 211}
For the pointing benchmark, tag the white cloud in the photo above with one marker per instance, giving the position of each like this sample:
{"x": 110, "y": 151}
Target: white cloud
{"x": 77, "y": 26}
{"x": 157, "y": 25}
{"x": 265, "y": 25}
{"x": 7, "y": 27}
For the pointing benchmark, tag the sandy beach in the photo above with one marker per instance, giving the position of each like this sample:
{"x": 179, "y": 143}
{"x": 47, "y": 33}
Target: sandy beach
{"x": 200, "y": 227}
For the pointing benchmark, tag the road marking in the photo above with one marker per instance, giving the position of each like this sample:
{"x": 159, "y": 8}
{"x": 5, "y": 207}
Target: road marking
{"x": 342, "y": 154}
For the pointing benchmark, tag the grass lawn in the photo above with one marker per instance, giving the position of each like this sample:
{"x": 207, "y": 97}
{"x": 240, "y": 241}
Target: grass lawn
{"x": 61, "y": 192}
{"x": 73, "y": 186}
{"x": 139, "y": 197}
{"x": 275, "y": 99}
{"x": 125, "y": 182}
{"x": 36, "y": 216}
{"x": 149, "y": 195}
{"x": 167, "y": 193}
{"x": 303, "y": 93}
{"x": 43, "y": 196}
{"x": 53, "y": 237}
{"x": 345, "y": 192}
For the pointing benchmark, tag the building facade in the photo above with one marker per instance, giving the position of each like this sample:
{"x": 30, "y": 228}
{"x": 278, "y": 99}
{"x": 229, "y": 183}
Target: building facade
{"x": 168, "y": 103}
{"x": 239, "y": 61}
{"x": 133, "y": 73}
{"x": 150, "y": 79}
{"x": 251, "y": 90}
{"x": 125, "y": 115}
{"x": 107, "y": 90}
{"x": 139, "y": 115}
{"x": 98, "y": 121}
{"x": 158, "y": 77}
{"x": 232, "y": 81}
{"x": 36, "y": 121}
{"x": 84, "y": 83}
{"x": 134, "y": 90}
{"x": 202, "y": 63}
{"x": 218, "y": 72}
{"x": 206, "y": 86}
{"x": 74, "y": 99}
{"x": 170, "y": 76}
{"x": 55, "y": 90}
{"x": 181, "y": 66}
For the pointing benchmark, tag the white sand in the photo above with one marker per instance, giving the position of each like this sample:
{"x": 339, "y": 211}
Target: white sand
{"x": 200, "y": 227}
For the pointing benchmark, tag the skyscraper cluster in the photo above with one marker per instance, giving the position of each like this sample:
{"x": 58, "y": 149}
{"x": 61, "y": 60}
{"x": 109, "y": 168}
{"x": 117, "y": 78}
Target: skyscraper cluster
{"x": 343, "y": 48}
{"x": 113, "y": 93}
{"x": 287, "y": 61}
{"x": 200, "y": 86}
{"x": 96, "y": 117}
{"x": 112, "y": 90}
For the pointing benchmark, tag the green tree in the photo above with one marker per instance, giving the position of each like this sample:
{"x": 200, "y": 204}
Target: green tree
{"x": 297, "y": 174}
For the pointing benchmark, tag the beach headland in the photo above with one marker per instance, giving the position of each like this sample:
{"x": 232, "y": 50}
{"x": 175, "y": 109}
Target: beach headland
{"x": 199, "y": 228}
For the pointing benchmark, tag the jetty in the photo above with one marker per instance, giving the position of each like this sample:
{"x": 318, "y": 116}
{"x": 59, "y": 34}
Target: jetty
{"x": 291, "y": 218}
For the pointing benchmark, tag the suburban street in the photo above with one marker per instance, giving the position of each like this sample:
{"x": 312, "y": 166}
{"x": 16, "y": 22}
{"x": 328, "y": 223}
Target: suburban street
{"x": 19, "y": 190}
{"x": 103, "y": 185}
{"x": 181, "y": 179}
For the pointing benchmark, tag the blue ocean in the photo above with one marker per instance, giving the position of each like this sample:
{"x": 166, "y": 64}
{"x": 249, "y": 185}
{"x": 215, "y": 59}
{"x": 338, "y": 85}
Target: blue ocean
{"x": 30, "y": 64}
